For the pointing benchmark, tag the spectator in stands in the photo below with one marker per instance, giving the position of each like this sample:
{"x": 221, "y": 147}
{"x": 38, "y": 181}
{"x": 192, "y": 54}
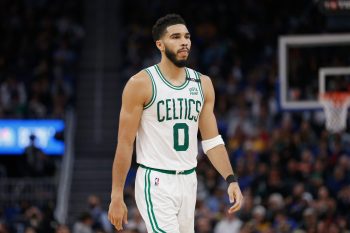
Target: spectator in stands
{"x": 248, "y": 227}
{"x": 324, "y": 205}
{"x": 62, "y": 94}
{"x": 13, "y": 97}
{"x": 62, "y": 229}
{"x": 33, "y": 219}
{"x": 282, "y": 223}
{"x": 30, "y": 230}
{"x": 84, "y": 224}
{"x": 35, "y": 162}
{"x": 259, "y": 219}
{"x": 135, "y": 221}
{"x": 245, "y": 214}
{"x": 230, "y": 223}
{"x": 203, "y": 225}
{"x": 3, "y": 228}
{"x": 343, "y": 201}
{"x": 99, "y": 216}
{"x": 48, "y": 223}
{"x": 309, "y": 222}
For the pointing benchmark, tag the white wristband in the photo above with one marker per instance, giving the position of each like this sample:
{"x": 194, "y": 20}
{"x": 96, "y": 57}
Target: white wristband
{"x": 211, "y": 143}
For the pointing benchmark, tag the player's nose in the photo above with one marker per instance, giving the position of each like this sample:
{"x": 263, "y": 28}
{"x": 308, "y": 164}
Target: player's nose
{"x": 184, "y": 42}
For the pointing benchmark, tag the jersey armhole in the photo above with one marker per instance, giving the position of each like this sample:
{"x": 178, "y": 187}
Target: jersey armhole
{"x": 154, "y": 90}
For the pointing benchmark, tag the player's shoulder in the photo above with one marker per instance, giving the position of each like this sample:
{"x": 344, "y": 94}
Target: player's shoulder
{"x": 139, "y": 80}
{"x": 205, "y": 79}
{"x": 141, "y": 77}
{"x": 139, "y": 86}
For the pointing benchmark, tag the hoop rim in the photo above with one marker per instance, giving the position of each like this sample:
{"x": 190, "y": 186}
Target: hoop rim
{"x": 336, "y": 97}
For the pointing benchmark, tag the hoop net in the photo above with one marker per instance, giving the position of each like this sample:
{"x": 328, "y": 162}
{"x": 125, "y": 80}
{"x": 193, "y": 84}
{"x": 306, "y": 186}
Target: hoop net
{"x": 335, "y": 105}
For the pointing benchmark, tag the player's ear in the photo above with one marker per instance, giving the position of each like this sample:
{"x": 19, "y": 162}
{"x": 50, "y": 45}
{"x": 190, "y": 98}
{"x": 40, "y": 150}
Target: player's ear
{"x": 160, "y": 45}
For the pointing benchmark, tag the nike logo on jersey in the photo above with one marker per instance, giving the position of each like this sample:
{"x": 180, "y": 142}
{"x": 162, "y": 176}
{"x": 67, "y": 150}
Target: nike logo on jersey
{"x": 156, "y": 181}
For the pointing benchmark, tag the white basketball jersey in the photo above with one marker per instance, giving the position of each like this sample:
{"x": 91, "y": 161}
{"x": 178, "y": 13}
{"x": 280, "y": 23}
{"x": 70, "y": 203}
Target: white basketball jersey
{"x": 167, "y": 135}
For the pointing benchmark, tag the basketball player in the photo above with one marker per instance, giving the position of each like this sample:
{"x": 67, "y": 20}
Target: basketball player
{"x": 163, "y": 106}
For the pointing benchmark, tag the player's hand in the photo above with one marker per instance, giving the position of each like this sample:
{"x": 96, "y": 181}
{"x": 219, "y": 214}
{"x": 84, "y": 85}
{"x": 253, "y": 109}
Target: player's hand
{"x": 236, "y": 197}
{"x": 118, "y": 213}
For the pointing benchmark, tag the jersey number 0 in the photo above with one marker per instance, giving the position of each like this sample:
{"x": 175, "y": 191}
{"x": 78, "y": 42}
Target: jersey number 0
{"x": 184, "y": 144}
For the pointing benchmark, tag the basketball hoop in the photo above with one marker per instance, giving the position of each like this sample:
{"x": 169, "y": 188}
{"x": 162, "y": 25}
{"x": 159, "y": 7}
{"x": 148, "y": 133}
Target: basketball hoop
{"x": 335, "y": 105}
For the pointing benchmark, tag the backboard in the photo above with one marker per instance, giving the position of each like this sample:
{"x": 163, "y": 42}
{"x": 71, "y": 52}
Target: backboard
{"x": 301, "y": 59}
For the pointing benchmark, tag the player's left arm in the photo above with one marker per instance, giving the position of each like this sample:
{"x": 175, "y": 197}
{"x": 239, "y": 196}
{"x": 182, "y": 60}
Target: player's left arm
{"x": 218, "y": 154}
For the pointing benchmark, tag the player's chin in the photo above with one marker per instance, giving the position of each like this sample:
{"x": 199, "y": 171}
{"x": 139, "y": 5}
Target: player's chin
{"x": 182, "y": 59}
{"x": 181, "y": 63}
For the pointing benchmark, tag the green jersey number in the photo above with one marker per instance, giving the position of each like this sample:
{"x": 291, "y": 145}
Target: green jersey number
{"x": 176, "y": 128}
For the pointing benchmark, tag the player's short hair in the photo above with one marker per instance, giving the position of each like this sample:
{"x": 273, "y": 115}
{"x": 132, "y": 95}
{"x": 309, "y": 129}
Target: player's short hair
{"x": 161, "y": 25}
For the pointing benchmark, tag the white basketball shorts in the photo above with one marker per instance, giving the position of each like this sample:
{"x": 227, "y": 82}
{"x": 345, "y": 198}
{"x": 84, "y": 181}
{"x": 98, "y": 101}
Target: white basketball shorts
{"x": 166, "y": 201}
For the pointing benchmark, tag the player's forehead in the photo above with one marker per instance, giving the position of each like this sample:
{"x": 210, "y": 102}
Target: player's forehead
{"x": 176, "y": 29}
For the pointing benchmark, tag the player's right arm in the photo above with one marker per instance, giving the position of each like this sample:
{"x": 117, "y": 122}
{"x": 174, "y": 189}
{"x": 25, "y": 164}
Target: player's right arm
{"x": 135, "y": 95}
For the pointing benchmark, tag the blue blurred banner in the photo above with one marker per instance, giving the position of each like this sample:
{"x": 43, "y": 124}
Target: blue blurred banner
{"x": 14, "y": 136}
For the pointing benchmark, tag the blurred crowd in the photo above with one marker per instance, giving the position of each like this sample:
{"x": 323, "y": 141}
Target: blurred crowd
{"x": 27, "y": 217}
{"x": 39, "y": 50}
{"x": 40, "y": 44}
{"x": 295, "y": 176}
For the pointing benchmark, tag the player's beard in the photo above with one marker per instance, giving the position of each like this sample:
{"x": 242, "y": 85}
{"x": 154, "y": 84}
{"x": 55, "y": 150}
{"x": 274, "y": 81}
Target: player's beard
{"x": 172, "y": 57}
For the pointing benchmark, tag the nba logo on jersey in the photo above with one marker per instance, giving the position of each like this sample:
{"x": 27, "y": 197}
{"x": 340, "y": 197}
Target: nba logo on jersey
{"x": 156, "y": 181}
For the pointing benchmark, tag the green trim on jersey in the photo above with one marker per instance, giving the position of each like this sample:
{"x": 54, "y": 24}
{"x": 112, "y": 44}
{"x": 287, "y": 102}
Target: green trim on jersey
{"x": 182, "y": 86}
{"x": 154, "y": 91}
{"x": 149, "y": 204}
{"x": 199, "y": 84}
{"x": 187, "y": 73}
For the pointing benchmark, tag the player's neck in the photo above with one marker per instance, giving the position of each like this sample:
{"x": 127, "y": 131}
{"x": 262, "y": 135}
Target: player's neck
{"x": 171, "y": 71}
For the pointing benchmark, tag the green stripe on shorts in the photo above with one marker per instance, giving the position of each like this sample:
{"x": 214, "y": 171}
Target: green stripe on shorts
{"x": 150, "y": 201}
{"x": 150, "y": 212}
{"x": 146, "y": 197}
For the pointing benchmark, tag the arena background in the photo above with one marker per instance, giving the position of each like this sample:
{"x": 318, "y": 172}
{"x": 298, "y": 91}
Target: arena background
{"x": 69, "y": 60}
